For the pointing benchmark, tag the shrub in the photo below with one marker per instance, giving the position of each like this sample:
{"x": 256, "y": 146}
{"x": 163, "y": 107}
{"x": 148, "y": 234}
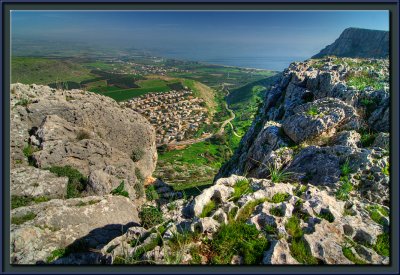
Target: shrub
{"x": 280, "y": 197}
{"x": 28, "y": 153}
{"x": 76, "y": 181}
{"x": 23, "y": 102}
{"x": 326, "y": 215}
{"x": 382, "y": 245}
{"x": 150, "y": 216}
{"x": 151, "y": 193}
{"x": 119, "y": 191}
{"x": 241, "y": 188}
{"x": 208, "y": 208}
{"x": 277, "y": 211}
{"x": 55, "y": 254}
{"x": 22, "y": 219}
{"x": 137, "y": 154}
{"x": 367, "y": 137}
{"x": 313, "y": 111}
{"x": 238, "y": 238}
{"x": 82, "y": 135}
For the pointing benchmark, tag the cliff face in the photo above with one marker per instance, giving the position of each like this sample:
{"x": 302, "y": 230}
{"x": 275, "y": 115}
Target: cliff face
{"x": 313, "y": 120}
{"x": 354, "y": 42}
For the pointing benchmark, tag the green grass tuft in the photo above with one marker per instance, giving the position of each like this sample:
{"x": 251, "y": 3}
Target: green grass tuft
{"x": 151, "y": 193}
{"x": 349, "y": 255}
{"x": 241, "y": 188}
{"x": 293, "y": 228}
{"x": 279, "y": 197}
{"x": 150, "y": 216}
{"x": 208, "y": 208}
{"x": 313, "y": 111}
{"x": 300, "y": 250}
{"x": 22, "y": 219}
{"x": 247, "y": 209}
{"x": 277, "y": 211}
{"x": 238, "y": 239}
{"x": 382, "y": 245}
{"x": 278, "y": 175}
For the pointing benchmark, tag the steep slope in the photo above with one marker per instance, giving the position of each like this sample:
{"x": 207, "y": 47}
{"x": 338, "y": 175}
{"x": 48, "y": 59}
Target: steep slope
{"x": 312, "y": 122}
{"x": 355, "y": 42}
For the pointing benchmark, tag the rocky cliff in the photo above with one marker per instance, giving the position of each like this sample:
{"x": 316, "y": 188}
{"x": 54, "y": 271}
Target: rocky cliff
{"x": 69, "y": 151}
{"x": 355, "y": 42}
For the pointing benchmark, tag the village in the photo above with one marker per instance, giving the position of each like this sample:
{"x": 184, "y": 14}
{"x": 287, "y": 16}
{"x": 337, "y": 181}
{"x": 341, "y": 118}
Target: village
{"x": 176, "y": 115}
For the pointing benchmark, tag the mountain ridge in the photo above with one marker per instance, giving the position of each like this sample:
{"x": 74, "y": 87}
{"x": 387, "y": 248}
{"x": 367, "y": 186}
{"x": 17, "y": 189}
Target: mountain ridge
{"x": 357, "y": 42}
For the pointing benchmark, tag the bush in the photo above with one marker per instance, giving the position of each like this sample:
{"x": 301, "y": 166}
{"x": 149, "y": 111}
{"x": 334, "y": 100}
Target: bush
{"x": 326, "y": 215}
{"x": 76, "y": 181}
{"x": 277, "y": 175}
{"x": 367, "y": 137}
{"x": 313, "y": 111}
{"x": 119, "y": 191}
{"x": 137, "y": 154}
{"x": 277, "y": 211}
{"x": 28, "y": 153}
{"x": 238, "y": 238}
{"x": 82, "y": 135}
{"x": 23, "y": 102}
{"x": 150, "y": 216}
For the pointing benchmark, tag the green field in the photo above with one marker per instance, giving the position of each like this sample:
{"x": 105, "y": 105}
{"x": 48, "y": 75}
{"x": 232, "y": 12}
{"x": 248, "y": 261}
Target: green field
{"x": 30, "y": 70}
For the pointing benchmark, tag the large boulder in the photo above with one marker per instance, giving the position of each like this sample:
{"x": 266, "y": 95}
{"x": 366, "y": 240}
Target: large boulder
{"x": 73, "y": 225}
{"x": 318, "y": 117}
{"x": 98, "y": 115}
{"x": 91, "y": 133}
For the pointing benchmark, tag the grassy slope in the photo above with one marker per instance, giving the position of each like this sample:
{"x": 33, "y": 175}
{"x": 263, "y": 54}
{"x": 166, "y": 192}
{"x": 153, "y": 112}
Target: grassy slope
{"x": 30, "y": 70}
{"x": 244, "y": 102}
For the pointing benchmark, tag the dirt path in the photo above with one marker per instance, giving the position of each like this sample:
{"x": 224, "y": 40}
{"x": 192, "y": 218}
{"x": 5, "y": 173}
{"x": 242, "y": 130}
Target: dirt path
{"x": 205, "y": 137}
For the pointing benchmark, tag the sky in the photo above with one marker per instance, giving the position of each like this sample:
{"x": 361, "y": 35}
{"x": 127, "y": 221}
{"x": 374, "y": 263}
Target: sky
{"x": 200, "y": 35}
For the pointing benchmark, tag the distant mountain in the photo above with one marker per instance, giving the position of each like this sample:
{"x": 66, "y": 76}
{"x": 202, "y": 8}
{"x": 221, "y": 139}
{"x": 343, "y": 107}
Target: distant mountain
{"x": 355, "y": 42}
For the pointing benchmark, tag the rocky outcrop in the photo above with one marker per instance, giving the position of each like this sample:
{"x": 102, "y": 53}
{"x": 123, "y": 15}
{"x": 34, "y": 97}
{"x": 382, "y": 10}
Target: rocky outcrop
{"x": 66, "y": 226}
{"x": 355, "y": 42}
{"x": 312, "y": 122}
{"x": 327, "y": 228}
{"x": 68, "y": 144}
{"x": 28, "y": 181}
{"x": 86, "y": 131}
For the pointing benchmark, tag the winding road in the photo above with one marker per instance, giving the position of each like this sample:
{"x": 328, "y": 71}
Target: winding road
{"x": 205, "y": 137}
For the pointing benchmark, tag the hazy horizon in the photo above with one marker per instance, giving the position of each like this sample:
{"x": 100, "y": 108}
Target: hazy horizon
{"x": 260, "y": 39}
